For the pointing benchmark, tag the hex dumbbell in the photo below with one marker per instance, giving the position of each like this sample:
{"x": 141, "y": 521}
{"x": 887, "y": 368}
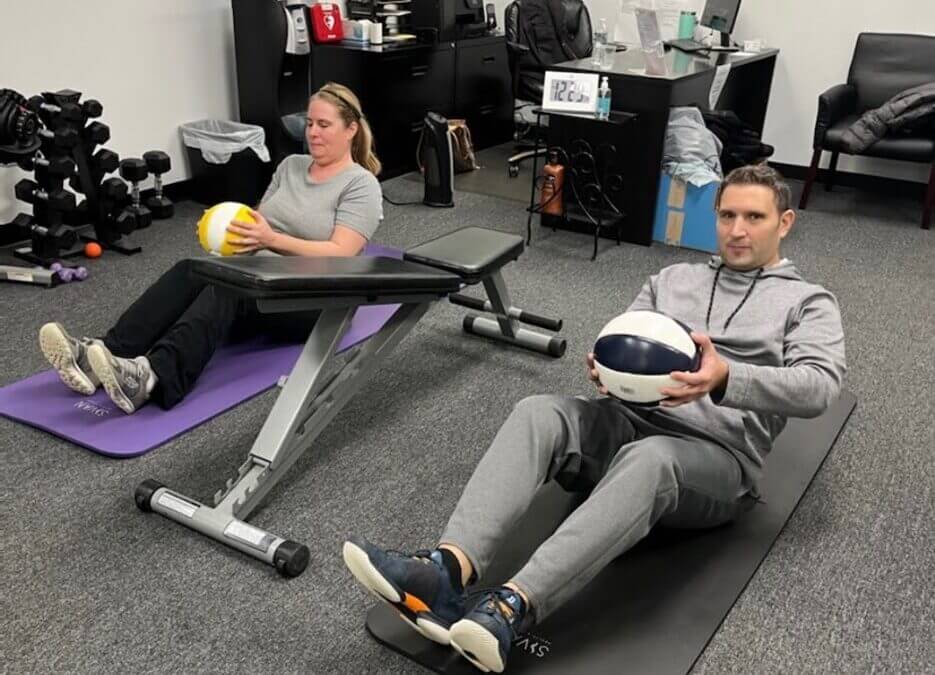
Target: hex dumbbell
{"x": 114, "y": 191}
{"x": 92, "y": 108}
{"x": 96, "y": 133}
{"x": 70, "y": 112}
{"x": 134, "y": 171}
{"x": 61, "y": 167}
{"x": 158, "y": 164}
{"x": 29, "y": 191}
{"x": 64, "y": 137}
{"x": 54, "y": 239}
{"x": 46, "y": 240}
{"x": 105, "y": 162}
{"x": 102, "y": 163}
{"x": 24, "y": 222}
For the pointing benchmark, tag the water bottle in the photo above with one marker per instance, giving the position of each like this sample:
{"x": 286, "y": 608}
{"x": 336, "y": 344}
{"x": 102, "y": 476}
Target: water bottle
{"x": 687, "y": 23}
{"x": 603, "y": 100}
{"x": 600, "y": 39}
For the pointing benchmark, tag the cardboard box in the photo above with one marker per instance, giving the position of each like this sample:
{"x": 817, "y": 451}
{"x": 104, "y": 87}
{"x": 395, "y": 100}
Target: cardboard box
{"x": 685, "y": 215}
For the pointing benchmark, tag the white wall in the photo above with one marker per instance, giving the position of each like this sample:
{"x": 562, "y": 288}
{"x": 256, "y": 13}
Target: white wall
{"x": 153, "y": 65}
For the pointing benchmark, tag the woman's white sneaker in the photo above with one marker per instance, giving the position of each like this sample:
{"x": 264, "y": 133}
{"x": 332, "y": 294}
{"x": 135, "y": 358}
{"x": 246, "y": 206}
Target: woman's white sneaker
{"x": 128, "y": 382}
{"x": 69, "y": 356}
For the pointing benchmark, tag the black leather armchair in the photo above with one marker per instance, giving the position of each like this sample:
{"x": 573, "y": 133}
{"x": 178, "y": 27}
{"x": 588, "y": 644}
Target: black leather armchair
{"x": 883, "y": 65}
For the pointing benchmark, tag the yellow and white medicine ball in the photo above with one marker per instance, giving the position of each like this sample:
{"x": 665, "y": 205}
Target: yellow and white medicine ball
{"x": 212, "y": 228}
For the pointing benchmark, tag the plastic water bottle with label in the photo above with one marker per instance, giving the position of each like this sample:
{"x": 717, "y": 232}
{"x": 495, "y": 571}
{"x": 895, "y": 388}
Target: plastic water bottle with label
{"x": 603, "y": 100}
{"x": 598, "y": 41}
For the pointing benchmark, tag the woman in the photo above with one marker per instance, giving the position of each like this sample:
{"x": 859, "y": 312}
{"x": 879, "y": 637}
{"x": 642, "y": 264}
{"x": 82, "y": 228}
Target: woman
{"x": 327, "y": 203}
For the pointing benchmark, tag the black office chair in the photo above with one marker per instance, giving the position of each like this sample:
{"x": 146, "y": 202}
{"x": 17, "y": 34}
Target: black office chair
{"x": 540, "y": 33}
{"x": 883, "y": 65}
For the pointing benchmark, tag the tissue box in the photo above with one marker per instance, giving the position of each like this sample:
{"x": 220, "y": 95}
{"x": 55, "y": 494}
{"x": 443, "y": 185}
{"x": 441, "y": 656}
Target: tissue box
{"x": 356, "y": 32}
{"x": 685, "y": 215}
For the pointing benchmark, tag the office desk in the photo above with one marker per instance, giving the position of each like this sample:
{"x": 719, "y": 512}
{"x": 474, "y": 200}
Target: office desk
{"x": 687, "y": 83}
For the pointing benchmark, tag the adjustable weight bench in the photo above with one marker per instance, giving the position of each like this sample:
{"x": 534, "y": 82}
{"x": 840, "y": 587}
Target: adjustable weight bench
{"x": 311, "y": 398}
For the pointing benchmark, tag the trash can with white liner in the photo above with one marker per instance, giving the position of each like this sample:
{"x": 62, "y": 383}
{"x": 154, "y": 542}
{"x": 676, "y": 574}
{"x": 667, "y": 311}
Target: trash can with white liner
{"x": 229, "y": 161}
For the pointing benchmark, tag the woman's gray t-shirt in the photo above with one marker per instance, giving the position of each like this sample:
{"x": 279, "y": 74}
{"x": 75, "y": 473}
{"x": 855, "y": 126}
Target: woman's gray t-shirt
{"x": 296, "y": 206}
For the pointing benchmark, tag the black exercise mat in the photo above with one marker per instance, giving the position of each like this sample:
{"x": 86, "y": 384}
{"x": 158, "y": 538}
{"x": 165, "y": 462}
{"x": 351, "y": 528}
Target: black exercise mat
{"x": 654, "y": 609}
{"x": 492, "y": 178}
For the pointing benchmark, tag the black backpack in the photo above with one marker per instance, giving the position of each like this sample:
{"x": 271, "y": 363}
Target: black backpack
{"x": 741, "y": 143}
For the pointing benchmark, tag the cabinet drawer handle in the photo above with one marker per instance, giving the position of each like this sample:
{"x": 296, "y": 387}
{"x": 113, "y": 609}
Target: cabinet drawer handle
{"x": 487, "y": 109}
{"x": 419, "y": 71}
{"x": 489, "y": 59}
{"x": 416, "y": 127}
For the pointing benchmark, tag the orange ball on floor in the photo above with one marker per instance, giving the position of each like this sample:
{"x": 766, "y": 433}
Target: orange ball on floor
{"x": 92, "y": 250}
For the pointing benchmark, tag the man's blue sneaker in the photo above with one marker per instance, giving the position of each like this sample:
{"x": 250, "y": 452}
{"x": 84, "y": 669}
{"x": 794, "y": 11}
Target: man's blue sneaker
{"x": 417, "y": 585}
{"x": 488, "y": 629}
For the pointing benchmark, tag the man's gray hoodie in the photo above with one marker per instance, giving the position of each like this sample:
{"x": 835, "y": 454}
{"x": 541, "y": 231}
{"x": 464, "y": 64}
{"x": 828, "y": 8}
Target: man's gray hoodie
{"x": 781, "y": 336}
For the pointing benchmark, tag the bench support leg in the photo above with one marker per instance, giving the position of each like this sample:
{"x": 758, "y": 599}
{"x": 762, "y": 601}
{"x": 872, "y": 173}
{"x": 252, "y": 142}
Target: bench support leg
{"x": 308, "y": 402}
{"x": 506, "y": 327}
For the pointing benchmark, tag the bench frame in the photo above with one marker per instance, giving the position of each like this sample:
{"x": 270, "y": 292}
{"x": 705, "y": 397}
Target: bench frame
{"x": 312, "y": 396}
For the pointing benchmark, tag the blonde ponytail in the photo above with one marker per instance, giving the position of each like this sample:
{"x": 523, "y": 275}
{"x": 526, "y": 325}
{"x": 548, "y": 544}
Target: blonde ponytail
{"x": 348, "y": 106}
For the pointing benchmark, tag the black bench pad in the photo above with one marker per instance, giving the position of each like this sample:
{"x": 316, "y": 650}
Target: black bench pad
{"x": 301, "y": 277}
{"x": 471, "y": 252}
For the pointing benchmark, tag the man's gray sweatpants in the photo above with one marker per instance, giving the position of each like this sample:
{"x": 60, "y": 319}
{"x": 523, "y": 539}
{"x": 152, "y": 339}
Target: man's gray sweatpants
{"x": 636, "y": 474}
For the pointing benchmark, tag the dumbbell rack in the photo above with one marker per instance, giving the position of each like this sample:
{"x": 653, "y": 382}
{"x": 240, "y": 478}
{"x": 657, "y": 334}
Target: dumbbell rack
{"x": 18, "y": 140}
{"x": 50, "y": 238}
{"x": 62, "y": 142}
{"x": 103, "y": 197}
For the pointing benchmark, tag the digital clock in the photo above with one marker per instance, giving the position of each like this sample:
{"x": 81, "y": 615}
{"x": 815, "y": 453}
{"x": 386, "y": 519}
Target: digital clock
{"x": 570, "y": 92}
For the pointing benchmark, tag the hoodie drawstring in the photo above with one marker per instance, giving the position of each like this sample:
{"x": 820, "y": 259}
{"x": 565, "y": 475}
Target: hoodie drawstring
{"x": 717, "y": 274}
{"x": 707, "y": 318}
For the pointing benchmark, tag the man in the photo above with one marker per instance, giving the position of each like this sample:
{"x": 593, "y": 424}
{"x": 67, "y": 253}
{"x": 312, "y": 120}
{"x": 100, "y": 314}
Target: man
{"x": 772, "y": 347}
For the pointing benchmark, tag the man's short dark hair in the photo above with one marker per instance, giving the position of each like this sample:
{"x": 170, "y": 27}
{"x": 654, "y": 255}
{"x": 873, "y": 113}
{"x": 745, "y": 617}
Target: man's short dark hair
{"x": 758, "y": 174}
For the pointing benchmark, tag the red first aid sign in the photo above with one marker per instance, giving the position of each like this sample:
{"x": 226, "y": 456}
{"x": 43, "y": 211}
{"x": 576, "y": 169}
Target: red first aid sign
{"x": 326, "y": 23}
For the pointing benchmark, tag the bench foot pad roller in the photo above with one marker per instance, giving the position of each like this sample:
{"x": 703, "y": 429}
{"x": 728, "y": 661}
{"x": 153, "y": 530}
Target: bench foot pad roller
{"x": 291, "y": 558}
{"x": 144, "y": 492}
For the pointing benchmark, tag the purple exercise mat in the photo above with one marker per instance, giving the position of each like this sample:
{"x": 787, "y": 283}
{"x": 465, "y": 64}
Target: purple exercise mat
{"x": 42, "y": 401}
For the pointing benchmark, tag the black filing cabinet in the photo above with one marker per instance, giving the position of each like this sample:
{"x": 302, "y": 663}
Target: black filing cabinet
{"x": 397, "y": 84}
{"x": 405, "y": 86}
{"x": 482, "y": 90}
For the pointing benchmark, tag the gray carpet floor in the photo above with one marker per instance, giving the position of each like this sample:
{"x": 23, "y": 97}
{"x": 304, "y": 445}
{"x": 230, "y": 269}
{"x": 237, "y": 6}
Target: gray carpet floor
{"x": 492, "y": 177}
{"x": 90, "y": 584}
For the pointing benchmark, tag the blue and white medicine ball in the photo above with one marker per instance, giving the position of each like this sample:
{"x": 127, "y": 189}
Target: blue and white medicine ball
{"x": 636, "y": 351}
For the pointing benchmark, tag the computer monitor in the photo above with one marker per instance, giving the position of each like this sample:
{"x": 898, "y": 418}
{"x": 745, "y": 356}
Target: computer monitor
{"x": 721, "y": 15}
